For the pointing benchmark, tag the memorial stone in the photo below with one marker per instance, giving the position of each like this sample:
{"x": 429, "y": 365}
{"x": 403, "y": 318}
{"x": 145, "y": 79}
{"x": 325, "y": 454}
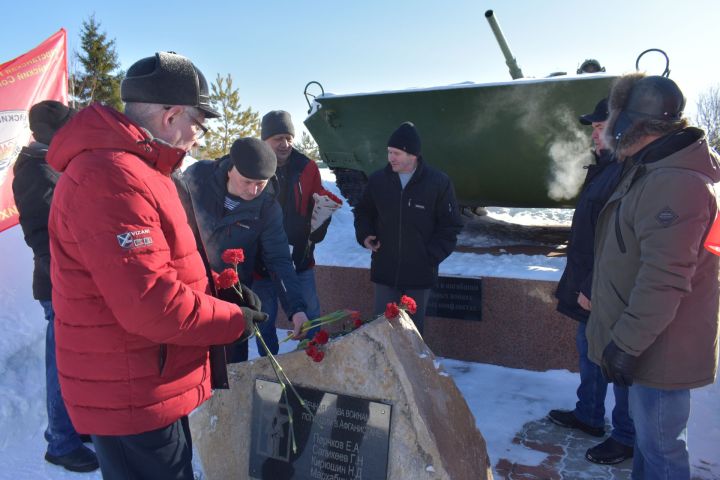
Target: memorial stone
{"x": 380, "y": 407}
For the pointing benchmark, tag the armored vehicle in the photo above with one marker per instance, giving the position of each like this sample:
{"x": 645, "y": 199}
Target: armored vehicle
{"x": 513, "y": 143}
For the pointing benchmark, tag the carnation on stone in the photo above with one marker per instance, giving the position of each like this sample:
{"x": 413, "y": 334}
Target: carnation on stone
{"x": 392, "y": 310}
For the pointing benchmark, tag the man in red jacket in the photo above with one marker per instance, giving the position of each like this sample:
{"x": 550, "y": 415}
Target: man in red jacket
{"x": 298, "y": 184}
{"x": 134, "y": 318}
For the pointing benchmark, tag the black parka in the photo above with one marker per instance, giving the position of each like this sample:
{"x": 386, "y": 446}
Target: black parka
{"x": 417, "y": 226}
{"x": 256, "y": 226}
{"x": 600, "y": 181}
{"x": 33, "y": 188}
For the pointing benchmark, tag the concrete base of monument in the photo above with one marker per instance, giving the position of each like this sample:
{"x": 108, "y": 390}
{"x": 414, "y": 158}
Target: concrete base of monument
{"x": 515, "y": 324}
{"x": 379, "y": 406}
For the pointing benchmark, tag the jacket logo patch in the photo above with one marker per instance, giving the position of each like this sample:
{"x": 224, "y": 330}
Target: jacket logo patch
{"x": 666, "y": 217}
{"x": 138, "y": 238}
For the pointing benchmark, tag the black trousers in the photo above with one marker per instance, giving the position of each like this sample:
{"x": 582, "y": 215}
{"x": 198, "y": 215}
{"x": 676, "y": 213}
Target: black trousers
{"x": 162, "y": 454}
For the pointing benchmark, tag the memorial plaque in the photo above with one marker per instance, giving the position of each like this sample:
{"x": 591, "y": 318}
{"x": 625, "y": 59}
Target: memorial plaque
{"x": 341, "y": 437}
{"x": 456, "y": 297}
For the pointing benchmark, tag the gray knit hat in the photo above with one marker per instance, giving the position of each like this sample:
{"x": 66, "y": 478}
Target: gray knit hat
{"x": 167, "y": 79}
{"x": 275, "y": 123}
{"x": 253, "y": 158}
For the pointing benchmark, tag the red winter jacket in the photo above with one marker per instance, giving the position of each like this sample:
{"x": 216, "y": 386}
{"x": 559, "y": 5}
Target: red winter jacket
{"x": 133, "y": 322}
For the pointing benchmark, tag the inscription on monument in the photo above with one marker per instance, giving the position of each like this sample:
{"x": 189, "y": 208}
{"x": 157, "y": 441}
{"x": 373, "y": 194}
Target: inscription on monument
{"x": 456, "y": 297}
{"x": 338, "y": 437}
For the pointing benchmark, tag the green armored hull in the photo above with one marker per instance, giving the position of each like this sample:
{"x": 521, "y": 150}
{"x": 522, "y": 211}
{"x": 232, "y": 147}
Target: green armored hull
{"x": 515, "y": 143}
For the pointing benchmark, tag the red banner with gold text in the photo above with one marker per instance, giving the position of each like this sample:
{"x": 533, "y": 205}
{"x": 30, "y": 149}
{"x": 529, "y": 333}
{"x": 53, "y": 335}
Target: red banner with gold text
{"x": 40, "y": 74}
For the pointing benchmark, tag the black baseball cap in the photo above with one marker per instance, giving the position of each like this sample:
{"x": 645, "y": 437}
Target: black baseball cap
{"x": 600, "y": 114}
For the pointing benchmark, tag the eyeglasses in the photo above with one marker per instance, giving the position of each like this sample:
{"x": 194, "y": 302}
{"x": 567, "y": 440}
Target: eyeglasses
{"x": 203, "y": 129}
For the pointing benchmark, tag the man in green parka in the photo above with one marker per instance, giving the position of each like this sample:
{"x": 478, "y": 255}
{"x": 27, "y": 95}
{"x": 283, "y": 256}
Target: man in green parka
{"x": 654, "y": 320}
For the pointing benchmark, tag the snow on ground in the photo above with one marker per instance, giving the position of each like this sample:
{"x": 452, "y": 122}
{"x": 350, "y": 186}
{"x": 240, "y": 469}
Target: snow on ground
{"x": 501, "y": 399}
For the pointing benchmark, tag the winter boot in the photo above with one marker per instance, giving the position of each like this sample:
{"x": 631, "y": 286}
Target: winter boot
{"x": 609, "y": 452}
{"x": 567, "y": 419}
{"x": 82, "y": 459}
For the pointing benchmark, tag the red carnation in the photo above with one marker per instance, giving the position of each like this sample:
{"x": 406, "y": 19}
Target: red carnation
{"x": 321, "y": 337}
{"x": 392, "y": 311}
{"x": 409, "y": 304}
{"x": 311, "y": 350}
{"x": 319, "y": 355}
{"x": 227, "y": 278}
{"x": 233, "y": 256}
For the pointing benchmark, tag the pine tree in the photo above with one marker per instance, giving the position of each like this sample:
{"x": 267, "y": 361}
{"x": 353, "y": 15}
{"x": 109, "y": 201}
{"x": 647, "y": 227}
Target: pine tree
{"x": 99, "y": 80}
{"x": 234, "y": 122}
{"x": 308, "y": 147}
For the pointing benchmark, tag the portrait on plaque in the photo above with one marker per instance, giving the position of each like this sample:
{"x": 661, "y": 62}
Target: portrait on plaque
{"x": 335, "y": 436}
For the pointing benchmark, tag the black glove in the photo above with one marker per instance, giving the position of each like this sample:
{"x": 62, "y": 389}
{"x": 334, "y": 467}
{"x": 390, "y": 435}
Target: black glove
{"x": 250, "y": 298}
{"x": 617, "y": 365}
{"x": 251, "y": 318}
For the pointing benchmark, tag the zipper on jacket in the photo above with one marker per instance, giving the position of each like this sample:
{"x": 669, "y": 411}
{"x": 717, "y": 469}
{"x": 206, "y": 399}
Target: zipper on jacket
{"x": 163, "y": 357}
{"x": 639, "y": 173}
{"x": 618, "y": 231}
{"x": 397, "y": 270}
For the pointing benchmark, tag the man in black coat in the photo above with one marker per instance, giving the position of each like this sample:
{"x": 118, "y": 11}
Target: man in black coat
{"x": 230, "y": 203}
{"x": 33, "y": 186}
{"x": 574, "y": 296}
{"x": 409, "y": 218}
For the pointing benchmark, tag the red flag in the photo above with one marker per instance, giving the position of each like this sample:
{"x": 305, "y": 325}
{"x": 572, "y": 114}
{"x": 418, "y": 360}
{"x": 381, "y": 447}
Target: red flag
{"x": 712, "y": 242}
{"x": 40, "y": 74}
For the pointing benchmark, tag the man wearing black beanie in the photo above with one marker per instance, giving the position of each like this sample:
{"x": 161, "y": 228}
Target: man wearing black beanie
{"x": 409, "y": 218}
{"x": 33, "y": 187}
{"x": 302, "y": 198}
{"x": 230, "y": 203}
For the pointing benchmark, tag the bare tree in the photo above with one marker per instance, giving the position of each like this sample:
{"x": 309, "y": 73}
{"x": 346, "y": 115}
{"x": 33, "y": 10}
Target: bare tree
{"x": 708, "y": 115}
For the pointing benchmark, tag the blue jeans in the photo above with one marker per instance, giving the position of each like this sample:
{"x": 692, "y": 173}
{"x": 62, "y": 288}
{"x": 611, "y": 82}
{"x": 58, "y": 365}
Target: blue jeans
{"x": 265, "y": 289}
{"x": 590, "y": 407}
{"x": 660, "y": 418}
{"x": 60, "y": 433}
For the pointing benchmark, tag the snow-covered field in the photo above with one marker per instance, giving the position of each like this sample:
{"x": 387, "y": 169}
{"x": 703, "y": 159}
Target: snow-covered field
{"x": 502, "y": 399}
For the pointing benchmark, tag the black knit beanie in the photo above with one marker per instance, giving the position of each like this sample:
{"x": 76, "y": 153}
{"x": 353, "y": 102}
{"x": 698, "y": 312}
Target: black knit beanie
{"x": 46, "y": 118}
{"x": 406, "y": 138}
{"x": 275, "y": 123}
{"x": 253, "y": 158}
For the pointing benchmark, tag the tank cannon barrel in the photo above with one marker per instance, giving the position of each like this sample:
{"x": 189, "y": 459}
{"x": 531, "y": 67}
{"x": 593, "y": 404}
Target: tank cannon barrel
{"x": 515, "y": 71}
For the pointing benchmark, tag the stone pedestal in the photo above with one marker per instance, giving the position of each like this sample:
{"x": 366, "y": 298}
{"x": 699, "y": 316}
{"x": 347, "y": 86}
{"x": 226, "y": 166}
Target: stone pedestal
{"x": 432, "y": 433}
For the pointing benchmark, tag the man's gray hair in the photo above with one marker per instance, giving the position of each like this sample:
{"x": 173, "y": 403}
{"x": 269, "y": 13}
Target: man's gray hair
{"x": 143, "y": 113}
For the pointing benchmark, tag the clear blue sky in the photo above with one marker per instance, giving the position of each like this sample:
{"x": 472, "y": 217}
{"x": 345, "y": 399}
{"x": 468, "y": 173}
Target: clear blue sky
{"x": 273, "y": 48}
